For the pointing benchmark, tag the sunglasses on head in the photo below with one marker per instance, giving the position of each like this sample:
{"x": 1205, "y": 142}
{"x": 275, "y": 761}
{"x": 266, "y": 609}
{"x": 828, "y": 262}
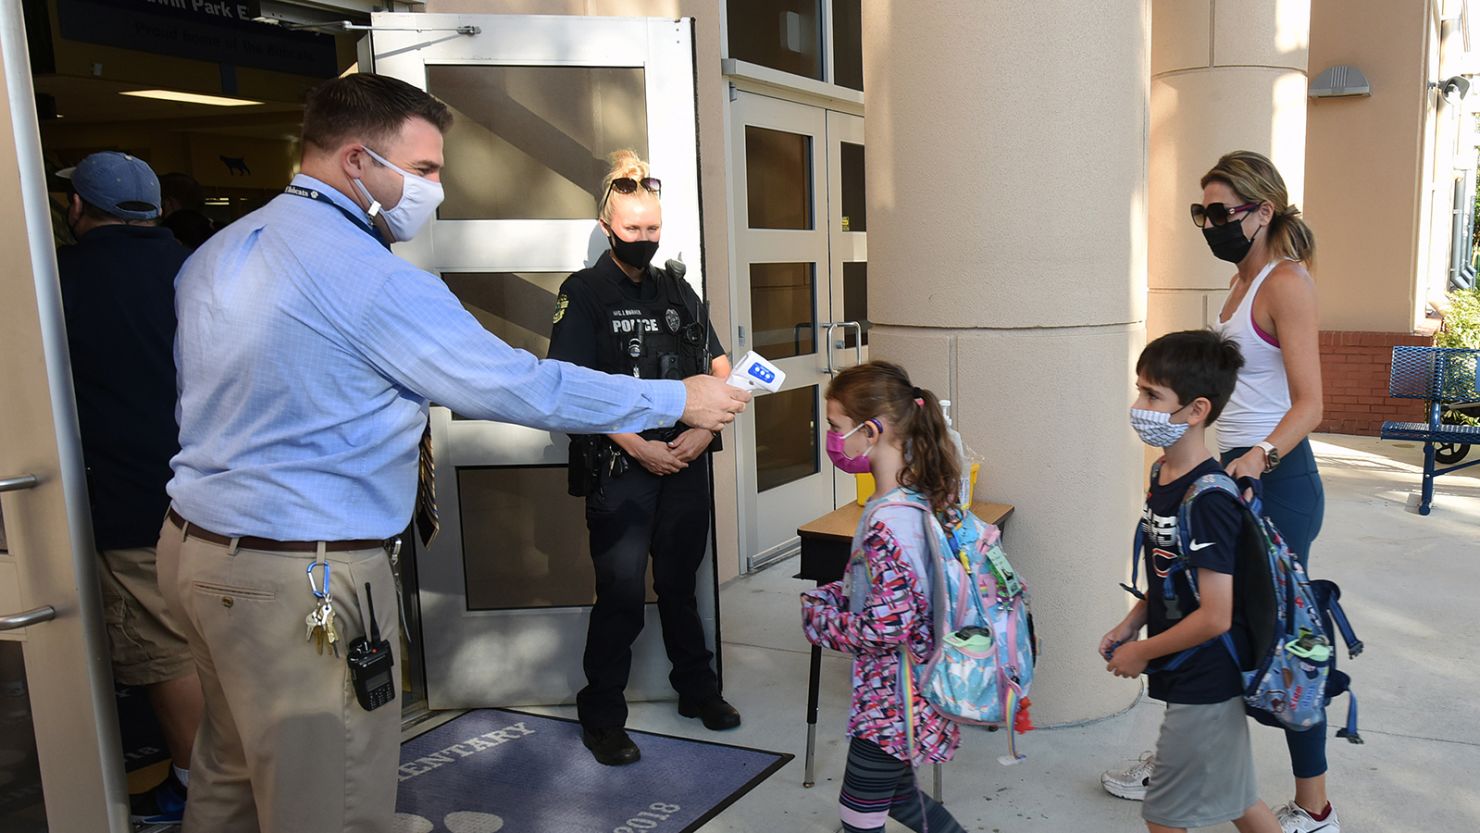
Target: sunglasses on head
{"x": 628, "y": 185}
{"x": 1217, "y": 213}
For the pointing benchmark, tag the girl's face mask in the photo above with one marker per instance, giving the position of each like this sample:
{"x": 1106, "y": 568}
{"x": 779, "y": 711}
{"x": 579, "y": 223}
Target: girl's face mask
{"x": 840, "y": 458}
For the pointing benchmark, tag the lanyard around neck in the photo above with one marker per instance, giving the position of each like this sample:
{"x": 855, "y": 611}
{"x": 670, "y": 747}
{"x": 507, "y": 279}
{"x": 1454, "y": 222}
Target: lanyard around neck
{"x": 319, "y": 196}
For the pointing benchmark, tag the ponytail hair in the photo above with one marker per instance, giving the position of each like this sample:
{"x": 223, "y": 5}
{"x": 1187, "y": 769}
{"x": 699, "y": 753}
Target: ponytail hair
{"x": 883, "y": 389}
{"x": 1254, "y": 179}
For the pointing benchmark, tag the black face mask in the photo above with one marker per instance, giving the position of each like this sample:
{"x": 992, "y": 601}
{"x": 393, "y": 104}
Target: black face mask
{"x": 1228, "y": 242}
{"x": 635, "y": 253}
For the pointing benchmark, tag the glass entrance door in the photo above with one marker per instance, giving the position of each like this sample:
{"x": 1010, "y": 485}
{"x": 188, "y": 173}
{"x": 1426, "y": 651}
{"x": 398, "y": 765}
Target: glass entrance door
{"x": 800, "y": 261}
{"x": 539, "y": 102}
{"x": 61, "y": 766}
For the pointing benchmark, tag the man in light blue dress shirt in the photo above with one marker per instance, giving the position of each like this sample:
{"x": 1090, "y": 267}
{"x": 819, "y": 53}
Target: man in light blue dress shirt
{"x": 306, "y": 355}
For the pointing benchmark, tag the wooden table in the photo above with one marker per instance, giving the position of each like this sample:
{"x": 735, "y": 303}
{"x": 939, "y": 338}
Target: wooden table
{"x": 826, "y": 547}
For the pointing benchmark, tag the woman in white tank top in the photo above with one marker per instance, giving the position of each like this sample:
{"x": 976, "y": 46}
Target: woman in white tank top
{"x": 1270, "y": 312}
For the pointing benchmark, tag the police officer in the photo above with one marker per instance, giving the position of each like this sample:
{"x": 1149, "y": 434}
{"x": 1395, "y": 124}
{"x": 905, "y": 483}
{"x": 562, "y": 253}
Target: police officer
{"x": 645, "y": 493}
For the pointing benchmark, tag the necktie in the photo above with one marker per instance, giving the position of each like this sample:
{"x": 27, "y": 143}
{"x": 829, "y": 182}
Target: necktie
{"x": 427, "y": 524}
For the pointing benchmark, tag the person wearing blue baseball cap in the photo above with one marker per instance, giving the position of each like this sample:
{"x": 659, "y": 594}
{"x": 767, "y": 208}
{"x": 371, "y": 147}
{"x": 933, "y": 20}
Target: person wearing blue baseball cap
{"x": 118, "y": 293}
{"x": 112, "y": 187}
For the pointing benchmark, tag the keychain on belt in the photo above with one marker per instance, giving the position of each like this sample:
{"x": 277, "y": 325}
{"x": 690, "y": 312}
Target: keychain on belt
{"x": 320, "y": 620}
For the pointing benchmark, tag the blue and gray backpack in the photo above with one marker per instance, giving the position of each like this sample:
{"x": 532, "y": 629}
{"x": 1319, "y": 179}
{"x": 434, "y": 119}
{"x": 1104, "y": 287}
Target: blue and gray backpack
{"x": 1290, "y": 675}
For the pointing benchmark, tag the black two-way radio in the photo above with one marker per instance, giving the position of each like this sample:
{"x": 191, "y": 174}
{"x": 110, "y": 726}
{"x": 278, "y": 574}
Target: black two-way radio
{"x": 371, "y": 664}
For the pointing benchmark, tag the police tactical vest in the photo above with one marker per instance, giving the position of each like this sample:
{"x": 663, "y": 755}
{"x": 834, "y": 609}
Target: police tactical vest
{"x": 649, "y": 339}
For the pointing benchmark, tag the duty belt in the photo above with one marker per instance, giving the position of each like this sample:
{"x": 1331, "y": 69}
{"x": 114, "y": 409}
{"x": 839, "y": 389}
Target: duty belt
{"x": 248, "y": 542}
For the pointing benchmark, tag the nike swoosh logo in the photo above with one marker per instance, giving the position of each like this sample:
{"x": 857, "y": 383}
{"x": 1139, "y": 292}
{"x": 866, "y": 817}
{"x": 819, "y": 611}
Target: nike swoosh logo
{"x": 1195, "y": 546}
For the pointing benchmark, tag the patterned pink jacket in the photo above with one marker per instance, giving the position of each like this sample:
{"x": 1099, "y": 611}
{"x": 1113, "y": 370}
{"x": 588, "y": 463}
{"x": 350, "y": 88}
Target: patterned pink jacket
{"x": 893, "y": 614}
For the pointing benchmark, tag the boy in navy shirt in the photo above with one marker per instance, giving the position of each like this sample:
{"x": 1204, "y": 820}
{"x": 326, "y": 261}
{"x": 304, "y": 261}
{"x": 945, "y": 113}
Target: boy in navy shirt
{"x": 1204, "y": 772}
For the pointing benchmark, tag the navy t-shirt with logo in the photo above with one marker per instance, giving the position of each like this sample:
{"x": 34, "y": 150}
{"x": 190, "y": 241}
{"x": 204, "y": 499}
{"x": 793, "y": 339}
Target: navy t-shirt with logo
{"x": 1210, "y": 675}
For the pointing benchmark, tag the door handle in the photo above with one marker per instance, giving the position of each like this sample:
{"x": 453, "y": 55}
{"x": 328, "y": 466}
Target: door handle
{"x": 828, "y": 334}
{"x": 29, "y": 617}
{"x": 40, "y": 614}
{"x": 857, "y": 340}
{"x": 19, "y": 482}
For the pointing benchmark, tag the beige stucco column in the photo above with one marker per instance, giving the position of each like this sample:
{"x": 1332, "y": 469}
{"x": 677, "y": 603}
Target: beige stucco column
{"x": 1225, "y": 75}
{"x": 1007, "y": 228}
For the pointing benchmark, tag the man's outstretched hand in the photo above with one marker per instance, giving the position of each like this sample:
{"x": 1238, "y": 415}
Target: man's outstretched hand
{"x": 711, "y": 403}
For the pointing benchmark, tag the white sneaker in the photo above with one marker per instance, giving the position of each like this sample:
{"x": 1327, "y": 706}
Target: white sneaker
{"x": 1130, "y": 783}
{"x": 1294, "y": 819}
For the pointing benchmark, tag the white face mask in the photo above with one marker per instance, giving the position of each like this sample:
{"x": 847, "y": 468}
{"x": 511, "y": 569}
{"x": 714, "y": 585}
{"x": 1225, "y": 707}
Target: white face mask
{"x": 419, "y": 200}
{"x": 1155, "y": 428}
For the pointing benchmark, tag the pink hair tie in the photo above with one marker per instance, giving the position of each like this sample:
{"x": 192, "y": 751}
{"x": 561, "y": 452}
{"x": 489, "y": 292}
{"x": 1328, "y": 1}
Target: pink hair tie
{"x": 920, "y": 402}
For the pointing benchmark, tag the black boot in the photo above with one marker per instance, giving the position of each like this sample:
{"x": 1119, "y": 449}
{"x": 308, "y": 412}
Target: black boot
{"x": 611, "y": 747}
{"x": 713, "y": 710}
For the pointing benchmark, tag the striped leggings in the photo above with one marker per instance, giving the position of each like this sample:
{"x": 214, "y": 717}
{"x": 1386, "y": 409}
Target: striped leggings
{"x": 876, "y": 785}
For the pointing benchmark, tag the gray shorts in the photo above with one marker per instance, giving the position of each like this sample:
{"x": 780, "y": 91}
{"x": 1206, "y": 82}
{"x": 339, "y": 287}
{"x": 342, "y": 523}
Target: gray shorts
{"x": 1204, "y": 772}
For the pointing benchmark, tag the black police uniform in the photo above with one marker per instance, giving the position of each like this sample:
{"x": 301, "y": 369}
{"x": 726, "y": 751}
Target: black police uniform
{"x": 653, "y": 329}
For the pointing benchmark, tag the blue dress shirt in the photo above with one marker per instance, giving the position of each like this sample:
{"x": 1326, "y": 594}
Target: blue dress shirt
{"x": 306, "y": 353}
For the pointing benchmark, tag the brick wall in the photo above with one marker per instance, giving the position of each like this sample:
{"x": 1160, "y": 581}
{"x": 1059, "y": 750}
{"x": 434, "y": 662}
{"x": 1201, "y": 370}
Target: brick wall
{"x": 1354, "y": 376}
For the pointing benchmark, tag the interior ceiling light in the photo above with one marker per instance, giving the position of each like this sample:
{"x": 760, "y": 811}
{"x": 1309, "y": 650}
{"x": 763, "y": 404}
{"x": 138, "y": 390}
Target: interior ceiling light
{"x": 191, "y": 98}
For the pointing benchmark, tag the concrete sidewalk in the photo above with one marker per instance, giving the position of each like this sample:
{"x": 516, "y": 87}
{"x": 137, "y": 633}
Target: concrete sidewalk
{"x": 1409, "y": 584}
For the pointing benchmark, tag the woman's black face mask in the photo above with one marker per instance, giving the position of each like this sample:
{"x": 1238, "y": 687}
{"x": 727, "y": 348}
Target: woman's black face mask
{"x": 1228, "y": 241}
{"x": 635, "y": 253}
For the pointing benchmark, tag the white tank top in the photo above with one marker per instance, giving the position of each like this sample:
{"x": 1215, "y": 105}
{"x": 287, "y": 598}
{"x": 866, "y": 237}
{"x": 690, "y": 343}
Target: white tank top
{"x": 1262, "y": 396}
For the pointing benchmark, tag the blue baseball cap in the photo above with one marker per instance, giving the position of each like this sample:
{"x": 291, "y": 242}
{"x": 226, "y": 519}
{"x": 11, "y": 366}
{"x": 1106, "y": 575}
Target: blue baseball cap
{"x": 117, "y": 183}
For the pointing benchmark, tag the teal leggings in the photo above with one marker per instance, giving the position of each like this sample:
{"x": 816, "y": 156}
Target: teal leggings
{"x": 1296, "y": 501}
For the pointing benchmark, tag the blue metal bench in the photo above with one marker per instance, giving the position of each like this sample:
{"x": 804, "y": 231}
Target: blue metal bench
{"x": 1442, "y": 376}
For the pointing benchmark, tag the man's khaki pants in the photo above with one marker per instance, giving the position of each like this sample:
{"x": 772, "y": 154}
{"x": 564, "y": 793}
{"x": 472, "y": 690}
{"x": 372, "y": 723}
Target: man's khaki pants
{"x": 284, "y": 745}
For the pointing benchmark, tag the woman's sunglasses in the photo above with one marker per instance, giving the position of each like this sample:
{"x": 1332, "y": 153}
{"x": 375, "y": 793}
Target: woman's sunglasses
{"x": 628, "y": 185}
{"x": 1217, "y": 213}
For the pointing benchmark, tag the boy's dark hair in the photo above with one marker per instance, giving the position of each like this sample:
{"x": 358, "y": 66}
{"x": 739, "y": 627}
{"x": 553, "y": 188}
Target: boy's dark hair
{"x": 368, "y": 107}
{"x": 1194, "y": 363}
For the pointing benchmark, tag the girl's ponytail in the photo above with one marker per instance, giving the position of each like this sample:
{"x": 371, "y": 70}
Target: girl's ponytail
{"x": 931, "y": 464}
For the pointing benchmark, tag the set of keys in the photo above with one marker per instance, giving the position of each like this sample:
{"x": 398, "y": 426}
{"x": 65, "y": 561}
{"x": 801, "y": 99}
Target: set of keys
{"x": 321, "y": 630}
{"x": 320, "y": 620}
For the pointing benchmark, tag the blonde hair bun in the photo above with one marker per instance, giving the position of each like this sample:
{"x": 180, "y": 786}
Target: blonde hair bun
{"x": 624, "y": 163}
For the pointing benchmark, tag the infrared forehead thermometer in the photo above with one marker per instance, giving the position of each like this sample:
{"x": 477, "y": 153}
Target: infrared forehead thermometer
{"x": 755, "y": 373}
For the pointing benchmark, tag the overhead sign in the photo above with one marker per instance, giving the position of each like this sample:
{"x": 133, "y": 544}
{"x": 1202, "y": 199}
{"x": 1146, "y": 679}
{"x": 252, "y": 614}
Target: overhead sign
{"x": 218, "y": 31}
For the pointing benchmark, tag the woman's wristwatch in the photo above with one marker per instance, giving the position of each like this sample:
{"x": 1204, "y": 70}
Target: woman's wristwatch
{"x": 1271, "y": 456}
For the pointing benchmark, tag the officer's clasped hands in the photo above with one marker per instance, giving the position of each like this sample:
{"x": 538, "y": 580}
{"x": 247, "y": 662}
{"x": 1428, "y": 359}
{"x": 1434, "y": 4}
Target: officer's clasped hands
{"x": 656, "y": 457}
{"x": 691, "y": 443}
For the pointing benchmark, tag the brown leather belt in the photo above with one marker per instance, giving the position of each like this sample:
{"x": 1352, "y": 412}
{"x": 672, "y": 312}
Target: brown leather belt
{"x": 269, "y": 544}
